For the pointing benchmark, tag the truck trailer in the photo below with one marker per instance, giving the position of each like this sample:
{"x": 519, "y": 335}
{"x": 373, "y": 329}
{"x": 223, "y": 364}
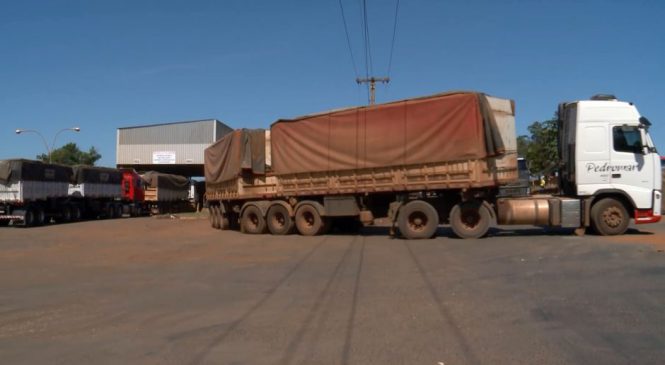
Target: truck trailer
{"x": 33, "y": 193}
{"x": 419, "y": 163}
{"x": 165, "y": 192}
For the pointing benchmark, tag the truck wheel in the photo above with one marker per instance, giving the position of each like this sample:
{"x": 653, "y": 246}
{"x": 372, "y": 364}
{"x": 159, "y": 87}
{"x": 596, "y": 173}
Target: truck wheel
{"x": 223, "y": 221}
{"x": 417, "y": 220}
{"x": 309, "y": 221}
{"x": 107, "y": 212}
{"x": 29, "y": 217}
{"x": 470, "y": 219}
{"x": 40, "y": 216}
{"x": 279, "y": 221}
{"x": 118, "y": 211}
{"x": 66, "y": 214}
{"x": 76, "y": 213}
{"x": 609, "y": 217}
{"x": 212, "y": 216}
{"x": 252, "y": 220}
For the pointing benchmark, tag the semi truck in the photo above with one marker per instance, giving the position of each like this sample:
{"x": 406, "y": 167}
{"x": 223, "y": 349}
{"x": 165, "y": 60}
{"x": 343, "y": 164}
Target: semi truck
{"x": 165, "y": 192}
{"x": 33, "y": 193}
{"x": 440, "y": 159}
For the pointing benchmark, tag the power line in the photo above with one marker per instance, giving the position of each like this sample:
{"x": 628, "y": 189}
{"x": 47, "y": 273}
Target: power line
{"x": 348, "y": 39}
{"x": 369, "y": 78}
{"x": 392, "y": 46}
{"x": 368, "y": 47}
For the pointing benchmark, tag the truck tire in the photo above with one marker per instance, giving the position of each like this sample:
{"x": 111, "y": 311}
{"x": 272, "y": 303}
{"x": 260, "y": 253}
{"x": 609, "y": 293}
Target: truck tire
{"x": 609, "y": 217}
{"x": 118, "y": 211}
{"x": 76, "y": 213}
{"x": 29, "y": 217}
{"x": 211, "y": 216}
{"x": 417, "y": 220}
{"x": 66, "y": 216}
{"x": 223, "y": 218}
{"x": 252, "y": 221}
{"x": 308, "y": 221}
{"x": 40, "y": 216}
{"x": 214, "y": 217}
{"x": 279, "y": 221}
{"x": 224, "y": 224}
{"x": 107, "y": 211}
{"x": 470, "y": 219}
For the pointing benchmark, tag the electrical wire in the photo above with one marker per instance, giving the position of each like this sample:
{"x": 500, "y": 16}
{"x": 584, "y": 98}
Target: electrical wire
{"x": 368, "y": 47}
{"x": 348, "y": 39}
{"x": 392, "y": 46}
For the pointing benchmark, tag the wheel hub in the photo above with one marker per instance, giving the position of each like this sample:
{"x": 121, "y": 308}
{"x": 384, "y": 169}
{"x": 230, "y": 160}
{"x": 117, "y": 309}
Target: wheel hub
{"x": 613, "y": 217}
{"x": 417, "y": 221}
{"x": 470, "y": 218}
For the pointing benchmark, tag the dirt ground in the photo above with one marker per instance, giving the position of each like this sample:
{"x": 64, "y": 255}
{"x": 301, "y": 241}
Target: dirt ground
{"x": 174, "y": 291}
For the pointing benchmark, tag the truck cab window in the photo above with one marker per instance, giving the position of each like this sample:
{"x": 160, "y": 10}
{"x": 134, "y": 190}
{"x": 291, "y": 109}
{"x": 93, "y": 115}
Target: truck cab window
{"x": 627, "y": 139}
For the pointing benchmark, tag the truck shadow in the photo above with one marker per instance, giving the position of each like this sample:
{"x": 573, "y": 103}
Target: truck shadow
{"x": 447, "y": 232}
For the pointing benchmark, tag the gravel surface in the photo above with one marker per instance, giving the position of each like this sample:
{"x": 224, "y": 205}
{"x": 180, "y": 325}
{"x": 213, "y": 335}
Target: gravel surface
{"x": 169, "y": 291}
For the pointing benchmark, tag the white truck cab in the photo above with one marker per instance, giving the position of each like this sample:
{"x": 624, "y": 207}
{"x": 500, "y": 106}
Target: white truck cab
{"x": 607, "y": 154}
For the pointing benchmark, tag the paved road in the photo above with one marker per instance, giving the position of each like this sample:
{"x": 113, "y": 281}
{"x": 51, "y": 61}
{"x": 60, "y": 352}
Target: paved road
{"x": 151, "y": 291}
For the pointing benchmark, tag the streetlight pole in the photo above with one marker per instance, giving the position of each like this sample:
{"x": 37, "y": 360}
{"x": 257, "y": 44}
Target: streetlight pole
{"x": 48, "y": 149}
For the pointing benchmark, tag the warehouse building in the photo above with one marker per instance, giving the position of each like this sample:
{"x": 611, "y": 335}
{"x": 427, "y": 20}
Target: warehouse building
{"x": 174, "y": 148}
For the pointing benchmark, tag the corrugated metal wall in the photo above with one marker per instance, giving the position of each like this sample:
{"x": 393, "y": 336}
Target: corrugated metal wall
{"x": 186, "y": 140}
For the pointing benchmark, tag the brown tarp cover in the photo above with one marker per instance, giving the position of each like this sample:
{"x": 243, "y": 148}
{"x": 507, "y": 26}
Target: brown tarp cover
{"x": 93, "y": 174}
{"x": 242, "y": 149}
{"x": 28, "y": 170}
{"x": 444, "y": 127}
{"x": 158, "y": 180}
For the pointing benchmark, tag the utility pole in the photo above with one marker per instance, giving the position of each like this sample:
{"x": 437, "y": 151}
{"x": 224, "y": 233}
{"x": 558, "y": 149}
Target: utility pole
{"x": 372, "y": 85}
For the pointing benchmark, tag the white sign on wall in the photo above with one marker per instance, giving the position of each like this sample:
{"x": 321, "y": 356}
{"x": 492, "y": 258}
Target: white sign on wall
{"x": 163, "y": 158}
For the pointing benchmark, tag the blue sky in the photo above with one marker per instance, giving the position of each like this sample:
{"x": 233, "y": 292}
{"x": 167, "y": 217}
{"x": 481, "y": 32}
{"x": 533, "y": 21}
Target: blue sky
{"x": 102, "y": 65}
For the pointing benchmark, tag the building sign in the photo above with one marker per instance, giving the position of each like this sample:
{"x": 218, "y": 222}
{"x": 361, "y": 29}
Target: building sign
{"x": 163, "y": 158}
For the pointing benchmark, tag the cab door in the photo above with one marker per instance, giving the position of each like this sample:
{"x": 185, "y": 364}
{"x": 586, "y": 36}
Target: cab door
{"x": 630, "y": 169}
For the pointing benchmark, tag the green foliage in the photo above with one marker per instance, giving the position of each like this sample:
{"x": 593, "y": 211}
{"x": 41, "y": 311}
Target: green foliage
{"x": 70, "y": 154}
{"x": 522, "y": 145}
{"x": 540, "y": 148}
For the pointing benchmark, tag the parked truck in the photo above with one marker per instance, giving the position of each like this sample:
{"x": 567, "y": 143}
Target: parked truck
{"x": 166, "y": 192}
{"x": 33, "y": 193}
{"x": 96, "y": 191}
{"x": 421, "y": 162}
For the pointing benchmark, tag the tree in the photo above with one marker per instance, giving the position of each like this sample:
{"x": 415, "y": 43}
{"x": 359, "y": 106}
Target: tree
{"x": 523, "y": 142}
{"x": 540, "y": 148}
{"x": 70, "y": 154}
